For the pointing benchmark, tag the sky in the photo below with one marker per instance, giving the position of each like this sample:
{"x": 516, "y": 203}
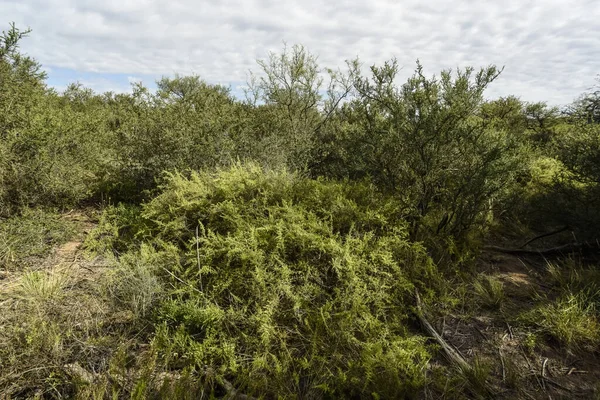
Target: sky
{"x": 550, "y": 49}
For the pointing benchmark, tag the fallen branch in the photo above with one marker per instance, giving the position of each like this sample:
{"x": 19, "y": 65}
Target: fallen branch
{"x": 587, "y": 247}
{"x": 544, "y": 367}
{"x": 564, "y": 228}
{"x": 452, "y": 355}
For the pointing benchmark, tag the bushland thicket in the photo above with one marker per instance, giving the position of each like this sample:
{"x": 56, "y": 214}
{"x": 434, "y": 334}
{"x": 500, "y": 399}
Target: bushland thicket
{"x": 272, "y": 245}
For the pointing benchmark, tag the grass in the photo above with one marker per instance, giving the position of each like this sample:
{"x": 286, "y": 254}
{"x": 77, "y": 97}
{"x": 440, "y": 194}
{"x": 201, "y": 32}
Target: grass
{"x": 58, "y": 322}
{"x": 571, "y": 276}
{"x": 31, "y": 235}
{"x": 571, "y": 320}
{"x": 489, "y": 290}
{"x": 133, "y": 284}
{"x": 41, "y": 287}
{"x": 478, "y": 375}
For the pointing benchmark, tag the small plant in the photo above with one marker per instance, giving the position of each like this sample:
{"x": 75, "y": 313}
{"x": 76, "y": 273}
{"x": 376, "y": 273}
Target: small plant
{"x": 530, "y": 342}
{"x": 490, "y": 291}
{"x": 478, "y": 375}
{"x": 41, "y": 286}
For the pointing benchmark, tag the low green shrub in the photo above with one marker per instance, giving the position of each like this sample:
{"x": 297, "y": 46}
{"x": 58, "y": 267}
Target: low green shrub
{"x": 285, "y": 286}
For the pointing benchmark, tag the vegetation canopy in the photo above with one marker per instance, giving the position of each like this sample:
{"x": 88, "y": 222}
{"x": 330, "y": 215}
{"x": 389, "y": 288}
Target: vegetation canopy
{"x": 334, "y": 234}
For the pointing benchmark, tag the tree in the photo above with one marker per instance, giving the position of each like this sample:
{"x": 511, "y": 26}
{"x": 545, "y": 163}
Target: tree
{"x": 292, "y": 104}
{"x": 587, "y": 107}
{"x": 427, "y": 142}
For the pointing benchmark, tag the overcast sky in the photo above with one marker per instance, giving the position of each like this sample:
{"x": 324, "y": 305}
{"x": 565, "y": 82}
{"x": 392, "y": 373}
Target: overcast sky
{"x": 550, "y": 49}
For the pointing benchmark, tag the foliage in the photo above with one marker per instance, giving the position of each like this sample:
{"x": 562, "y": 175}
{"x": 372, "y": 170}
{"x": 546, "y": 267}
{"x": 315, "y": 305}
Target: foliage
{"x": 293, "y": 107}
{"x": 427, "y": 142}
{"x": 564, "y": 188}
{"x": 284, "y": 284}
{"x": 587, "y": 107}
{"x": 48, "y": 150}
{"x": 116, "y": 230}
{"x": 187, "y": 123}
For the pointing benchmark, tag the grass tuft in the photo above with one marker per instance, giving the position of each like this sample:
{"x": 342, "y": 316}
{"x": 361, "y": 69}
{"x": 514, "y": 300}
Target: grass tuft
{"x": 571, "y": 320}
{"x": 490, "y": 291}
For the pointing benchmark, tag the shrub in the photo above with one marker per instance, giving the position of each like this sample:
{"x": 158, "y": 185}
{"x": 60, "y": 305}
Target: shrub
{"x": 428, "y": 142}
{"x": 286, "y": 286}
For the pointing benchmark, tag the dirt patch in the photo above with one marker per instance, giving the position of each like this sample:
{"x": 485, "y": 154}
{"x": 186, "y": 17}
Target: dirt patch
{"x": 69, "y": 248}
{"x": 518, "y": 368}
{"x": 67, "y": 259}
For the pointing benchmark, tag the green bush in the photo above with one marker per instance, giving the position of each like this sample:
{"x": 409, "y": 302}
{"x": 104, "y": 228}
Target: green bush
{"x": 284, "y": 285}
{"x": 429, "y": 143}
{"x": 51, "y": 148}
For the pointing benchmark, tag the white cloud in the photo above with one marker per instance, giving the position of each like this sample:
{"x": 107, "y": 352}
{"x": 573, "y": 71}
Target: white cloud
{"x": 551, "y": 48}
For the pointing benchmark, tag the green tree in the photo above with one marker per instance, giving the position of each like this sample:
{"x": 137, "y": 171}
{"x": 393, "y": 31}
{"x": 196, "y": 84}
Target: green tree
{"x": 587, "y": 106}
{"x": 293, "y": 104}
{"x": 186, "y": 124}
{"x": 428, "y": 142}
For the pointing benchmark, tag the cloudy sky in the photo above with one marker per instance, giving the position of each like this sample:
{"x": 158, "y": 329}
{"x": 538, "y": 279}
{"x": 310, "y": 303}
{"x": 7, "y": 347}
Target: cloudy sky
{"x": 550, "y": 48}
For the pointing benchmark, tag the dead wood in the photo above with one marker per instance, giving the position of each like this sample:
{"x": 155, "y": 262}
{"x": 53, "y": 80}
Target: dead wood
{"x": 584, "y": 247}
{"x": 451, "y": 354}
{"x": 555, "y": 232}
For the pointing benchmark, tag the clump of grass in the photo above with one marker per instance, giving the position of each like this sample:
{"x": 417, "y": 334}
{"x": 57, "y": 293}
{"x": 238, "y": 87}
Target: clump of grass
{"x": 26, "y": 237}
{"x": 41, "y": 286}
{"x": 490, "y": 291}
{"x": 571, "y": 320}
{"x": 477, "y": 376}
{"x": 134, "y": 283}
{"x": 571, "y": 276}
